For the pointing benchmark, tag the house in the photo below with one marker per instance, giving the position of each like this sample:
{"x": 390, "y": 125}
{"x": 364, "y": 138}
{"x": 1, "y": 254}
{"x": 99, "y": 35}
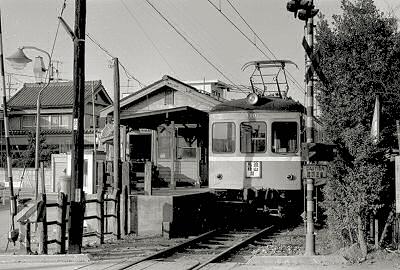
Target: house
{"x": 214, "y": 87}
{"x": 167, "y": 123}
{"x": 55, "y": 114}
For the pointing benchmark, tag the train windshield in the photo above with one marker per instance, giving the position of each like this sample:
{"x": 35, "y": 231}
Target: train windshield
{"x": 223, "y": 138}
{"x": 284, "y": 137}
{"x": 253, "y": 137}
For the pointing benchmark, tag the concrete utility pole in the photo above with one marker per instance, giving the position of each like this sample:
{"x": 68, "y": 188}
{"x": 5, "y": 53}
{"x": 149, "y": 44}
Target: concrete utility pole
{"x": 116, "y": 142}
{"x": 77, "y": 208}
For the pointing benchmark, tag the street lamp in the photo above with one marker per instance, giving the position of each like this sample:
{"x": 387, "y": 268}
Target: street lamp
{"x": 19, "y": 60}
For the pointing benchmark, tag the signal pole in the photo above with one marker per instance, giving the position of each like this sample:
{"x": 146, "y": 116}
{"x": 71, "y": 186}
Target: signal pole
{"x": 305, "y": 11}
{"x": 310, "y": 237}
{"x": 77, "y": 208}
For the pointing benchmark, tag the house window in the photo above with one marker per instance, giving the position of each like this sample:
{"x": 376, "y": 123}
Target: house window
{"x": 15, "y": 123}
{"x": 45, "y": 122}
{"x": 28, "y": 121}
{"x": 169, "y": 97}
{"x": 65, "y": 121}
{"x": 54, "y": 121}
{"x": 186, "y": 143}
{"x": 164, "y": 145}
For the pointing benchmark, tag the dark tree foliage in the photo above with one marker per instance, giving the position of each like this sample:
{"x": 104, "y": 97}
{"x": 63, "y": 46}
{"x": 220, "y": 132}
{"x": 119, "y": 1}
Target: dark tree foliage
{"x": 360, "y": 56}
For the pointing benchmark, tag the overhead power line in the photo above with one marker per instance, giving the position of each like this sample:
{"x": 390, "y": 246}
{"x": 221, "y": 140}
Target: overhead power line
{"x": 292, "y": 79}
{"x": 237, "y": 28}
{"x": 248, "y": 25}
{"x": 127, "y": 73}
{"x": 191, "y": 44}
{"x": 147, "y": 36}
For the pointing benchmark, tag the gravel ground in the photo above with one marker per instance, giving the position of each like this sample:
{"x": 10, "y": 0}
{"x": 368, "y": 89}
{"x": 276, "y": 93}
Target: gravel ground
{"x": 290, "y": 242}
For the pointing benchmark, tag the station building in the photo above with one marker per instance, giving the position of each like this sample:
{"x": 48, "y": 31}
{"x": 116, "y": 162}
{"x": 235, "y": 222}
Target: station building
{"x": 166, "y": 123}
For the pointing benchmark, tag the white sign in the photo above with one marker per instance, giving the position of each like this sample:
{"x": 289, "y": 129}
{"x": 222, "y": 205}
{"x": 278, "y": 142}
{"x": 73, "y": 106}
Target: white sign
{"x": 75, "y": 123}
{"x": 253, "y": 168}
{"x": 314, "y": 171}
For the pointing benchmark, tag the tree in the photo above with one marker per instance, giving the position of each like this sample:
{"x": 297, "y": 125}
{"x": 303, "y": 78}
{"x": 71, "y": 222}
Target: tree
{"x": 27, "y": 158}
{"x": 360, "y": 57}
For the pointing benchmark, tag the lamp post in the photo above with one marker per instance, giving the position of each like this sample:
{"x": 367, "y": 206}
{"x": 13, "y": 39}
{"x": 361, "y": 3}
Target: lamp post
{"x": 19, "y": 60}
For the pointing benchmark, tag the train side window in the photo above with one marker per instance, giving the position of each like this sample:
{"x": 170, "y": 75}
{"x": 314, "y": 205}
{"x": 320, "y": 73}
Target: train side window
{"x": 223, "y": 137}
{"x": 253, "y": 137}
{"x": 284, "y": 137}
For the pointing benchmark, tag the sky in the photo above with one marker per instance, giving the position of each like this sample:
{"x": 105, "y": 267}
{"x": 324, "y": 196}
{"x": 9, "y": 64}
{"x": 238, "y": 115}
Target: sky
{"x": 149, "y": 48}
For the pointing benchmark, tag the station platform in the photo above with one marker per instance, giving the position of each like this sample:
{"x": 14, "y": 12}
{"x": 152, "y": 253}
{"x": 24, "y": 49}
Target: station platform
{"x": 178, "y": 212}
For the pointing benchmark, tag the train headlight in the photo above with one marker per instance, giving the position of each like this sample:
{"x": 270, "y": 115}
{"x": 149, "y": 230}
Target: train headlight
{"x": 252, "y": 98}
{"x": 291, "y": 177}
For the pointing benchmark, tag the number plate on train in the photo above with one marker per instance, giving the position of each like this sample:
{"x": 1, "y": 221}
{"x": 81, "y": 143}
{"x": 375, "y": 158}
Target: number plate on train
{"x": 253, "y": 168}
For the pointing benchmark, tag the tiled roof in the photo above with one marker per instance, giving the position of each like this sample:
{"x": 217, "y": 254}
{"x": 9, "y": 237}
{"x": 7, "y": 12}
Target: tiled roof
{"x": 55, "y": 95}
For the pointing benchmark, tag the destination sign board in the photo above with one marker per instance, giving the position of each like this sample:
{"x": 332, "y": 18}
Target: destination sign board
{"x": 253, "y": 168}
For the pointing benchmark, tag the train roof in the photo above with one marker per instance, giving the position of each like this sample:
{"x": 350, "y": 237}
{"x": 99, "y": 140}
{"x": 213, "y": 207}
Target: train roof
{"x": 264, "y": 104}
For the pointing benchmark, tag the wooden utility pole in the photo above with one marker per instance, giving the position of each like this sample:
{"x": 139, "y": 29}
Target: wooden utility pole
{"x": 77, "y": 208}
{"x": 13, "y": 234}
{"x": 117, "y": 151}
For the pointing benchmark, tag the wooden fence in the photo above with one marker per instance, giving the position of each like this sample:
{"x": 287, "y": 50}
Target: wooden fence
{"x": 103, "y": 200}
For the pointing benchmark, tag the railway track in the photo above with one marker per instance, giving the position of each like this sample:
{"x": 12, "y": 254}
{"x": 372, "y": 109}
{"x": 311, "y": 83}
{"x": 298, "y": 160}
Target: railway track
{"x": 197, "y": 253}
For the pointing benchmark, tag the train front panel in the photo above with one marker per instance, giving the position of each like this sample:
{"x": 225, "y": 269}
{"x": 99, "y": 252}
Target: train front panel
{"x": 259, "y": 150}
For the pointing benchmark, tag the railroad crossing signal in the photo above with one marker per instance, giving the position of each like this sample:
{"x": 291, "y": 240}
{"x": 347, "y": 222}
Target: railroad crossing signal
{"x": 304, "y": 9}
{"x": 314, "y": 57}
{"x": 317, "y": 151}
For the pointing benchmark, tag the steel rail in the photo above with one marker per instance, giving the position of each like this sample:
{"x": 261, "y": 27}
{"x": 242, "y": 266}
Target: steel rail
{"x": 126, "y": 264}
{"x": 235, "y": 247}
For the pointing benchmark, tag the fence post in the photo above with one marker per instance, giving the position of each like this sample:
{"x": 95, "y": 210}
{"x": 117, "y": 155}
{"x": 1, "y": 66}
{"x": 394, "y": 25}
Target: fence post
{"x": 62, "y": 222}
{"x": 124, "y": 208}
{"x": 101, "y": 180}
{"x": 28, "y": 237}
{"x": 42, "y": 225}
{"x": 376, "y": 233}
{"x": 25, "y": 236}
{"x": 147, "y": 178}
{"x": 116, "y": 213}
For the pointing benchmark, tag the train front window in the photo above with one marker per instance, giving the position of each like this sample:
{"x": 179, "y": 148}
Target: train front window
{"x": 284, "y": 137}
{"x": 253, "y": 137}
{"x": 223, "y": 138}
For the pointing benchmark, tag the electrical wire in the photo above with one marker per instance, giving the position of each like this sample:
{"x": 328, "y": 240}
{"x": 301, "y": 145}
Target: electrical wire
{"x": 248, "y": 25}
{"x": 292, "y": 79}
{"x": 99, "y": 45}
{"x": 55, "y": 37}
{"x": 148, "y": 37}
{"x": 191, "y": 44}
{"x": 129, "y": 75}
{"x": 197, "y": 29}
